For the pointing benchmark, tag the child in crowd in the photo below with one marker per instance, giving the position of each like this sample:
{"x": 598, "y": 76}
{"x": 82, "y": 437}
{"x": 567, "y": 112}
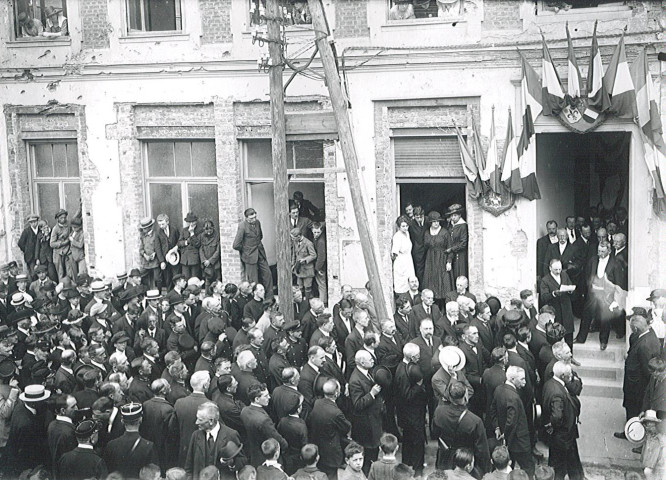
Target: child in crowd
{"x": 384, "y": 468}
{"x": 310, "y": 457}
{"x": 354, "y": 460}
{"x": 653, "y": 456}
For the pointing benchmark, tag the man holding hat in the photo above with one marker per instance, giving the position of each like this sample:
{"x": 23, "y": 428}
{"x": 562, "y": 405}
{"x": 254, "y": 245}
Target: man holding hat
{"x": 28, "y": 242}
{"x": 189, "y": 243}
{"x": 248, "y": 242}
{"x": 27, "y": 441}
{"x": 148, "y": 251}
{"x": 82, "y": 462}
{"x": 60, "y": 243}
{"x": 130, "y": 452}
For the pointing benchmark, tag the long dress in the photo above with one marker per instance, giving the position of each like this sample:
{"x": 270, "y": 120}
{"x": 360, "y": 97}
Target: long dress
{"x": 459, "y": 240}
{"x": 436, "y": 278}
{"x": 403, "y": 265}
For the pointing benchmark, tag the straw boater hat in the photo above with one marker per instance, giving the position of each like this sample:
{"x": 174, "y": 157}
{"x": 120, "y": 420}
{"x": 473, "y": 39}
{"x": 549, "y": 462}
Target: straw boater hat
{"x": 34, "y": 393}
{"x": 651, "y": 416}
{"x": 172, "y": 257}
{"x": 452, "y": 357}
{"x": 146, "y": 223}
{"x": 98, "y": 286}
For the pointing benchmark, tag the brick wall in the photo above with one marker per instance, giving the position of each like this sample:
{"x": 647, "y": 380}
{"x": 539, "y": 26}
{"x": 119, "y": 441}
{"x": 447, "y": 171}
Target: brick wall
{"x": 215, "y": 21}
{"x": 502, "y": 15}
{"x": 95, "y": 23}
{"x": 351, "y": 18}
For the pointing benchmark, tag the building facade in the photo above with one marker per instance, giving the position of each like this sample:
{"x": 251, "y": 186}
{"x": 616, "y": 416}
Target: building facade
{"x": 146, "y": 107}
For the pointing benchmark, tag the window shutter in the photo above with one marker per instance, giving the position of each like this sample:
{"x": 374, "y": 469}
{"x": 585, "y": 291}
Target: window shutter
{"x": 427, "y": 157}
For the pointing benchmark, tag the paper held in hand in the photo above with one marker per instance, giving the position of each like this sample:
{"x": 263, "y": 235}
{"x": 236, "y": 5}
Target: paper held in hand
{"x": 567, "y": 288}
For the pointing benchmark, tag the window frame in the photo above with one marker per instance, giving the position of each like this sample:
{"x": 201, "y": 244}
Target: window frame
{"x": 128, "y": 32}
{"x": 610, "y": 6}
{"x": 418, "y": 21}
{"x": 60, "y": 181}
{"x": 16, "y": 29}
{"x": 249, "y": 16}
{"x": 175, "y": 179}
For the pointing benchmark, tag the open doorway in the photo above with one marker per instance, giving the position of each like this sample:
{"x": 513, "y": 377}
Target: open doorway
{"x": 582, "y": 175}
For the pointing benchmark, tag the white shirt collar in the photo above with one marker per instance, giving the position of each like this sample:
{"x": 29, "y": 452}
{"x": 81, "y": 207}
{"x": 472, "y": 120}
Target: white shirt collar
{"x": 559, "y": 380}
{"x": 619, "y": 250}
{"x": 67, "y": 369}
{"x": 30, "y": 409}
{"x": 85, "y": 446}
{"x": 273, "y": 463}
{"x": 65, "y": 419}
{"x": 112, "y": 417}
{"x": 215, "y": 430}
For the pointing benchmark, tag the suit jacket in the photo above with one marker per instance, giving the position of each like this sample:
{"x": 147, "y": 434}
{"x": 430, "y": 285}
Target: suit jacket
{"x": 560, "y": 409}
{"x": 303, "y": 251}
{"x": 333, "y": 370}
{"x": 248, "y": 242}
{"x": 611, "y": 282}
{"x": 507, "y": 413}
{"x": 426, "y": 355}
{"x": 571, "y": 263}
{"x": 28, "y": 441}
{"x": 303, "y": 224}
{"x": 418, "y": 313}
{"x": 308, "y": 325}
{"x": 139, "y": 391}
{"x": 295, "y": 432}
{"x": 541, "y": 250}
{"x": 416, "y": 235}
{"x": 259, "y": 427}
{"x": 413, "y": 300}
{"x": 320, "y": 250}
{"x": 122, "y": 324}
{"x": 636, "y": 372}
{"x": 28, "y": 244}
{"x": 230, "y": 411}
{"x": 306, "y": 387}
{"x": 475, "y": 365}
{"x": 60, "y": 240}
{"x": 485, "y": 333}
{"x": 340, "y": 331}
{"x": 245, "y": 381}
{"x": 411, "y": 400}
{"x": 189, "y": 244}
{"x": 453, "y": 295}
{"x": 164, "y": 243}
{"x": 65, "y": 381}
{"x": 61, "y": 439}
{"x": 328, "y": 430}
{"x": 276, "y": 365}
{"x": 160, "y": 426}
{"x": 561, "y": 302}
{"x": 389, "y": 353}
{"x": 366, "y": 417}
{"x": 440, "y": 384}
{"x": 129, "y": 453}
{"x": 186, "y": 412}
{"x": 402, "y": 326}
{"x": 492, "y": 378}
{"x": 353, "y": 344}
{"x": 280, "y": 398}
{"x": 586, "y": 250}
{"x": 197, "y": 456}
{"x": 253, "y": 309}
{"x": 80, "y": 464}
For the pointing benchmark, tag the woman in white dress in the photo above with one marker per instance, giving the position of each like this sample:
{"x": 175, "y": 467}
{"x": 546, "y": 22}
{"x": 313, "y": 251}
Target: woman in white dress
{"x": 401, "y": 254}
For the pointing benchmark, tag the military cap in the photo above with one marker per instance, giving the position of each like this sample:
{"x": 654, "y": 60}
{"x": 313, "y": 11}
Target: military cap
{"x": 131, "y": 411}
{"x": 86, "y": 428}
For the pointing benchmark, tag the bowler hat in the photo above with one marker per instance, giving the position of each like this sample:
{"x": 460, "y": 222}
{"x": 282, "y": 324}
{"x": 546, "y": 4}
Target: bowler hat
{"x": 70, "y": 293}
{"x": 452, "y": 357}
{"x": 513, "y": 318}
{"x": 60, "y": 212}
{"x": 185, "y": 341}
{"x": 34, "y": 393}
{"x": 7, "y": 367}
{"x": 658, "y": 293}
{"x": 131, "y": 293}
{"x": 383, "y": 376}
{"x": 455, "y": 208}
{"x": 135, "y": 272}
{"x": 83, "y": 279}
{"x": 230, "y": 450}
{"x": 146, "y": 222}
{"x": 191, "y": 217}
{"x": 131, "y": 411}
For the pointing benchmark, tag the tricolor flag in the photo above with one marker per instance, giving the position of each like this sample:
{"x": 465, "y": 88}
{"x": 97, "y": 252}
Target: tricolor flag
{"x": 597, "y": 95}
{"x": 469, "y": 166}
{"x": 575, "y": 81}
{"x": 511, "y": 164}
{"x": 553, "y": 93}
{"x": 619, "y": 85}
{"x": 530, "y": 92}
{"x": 480, "y": 158}
{"x": 649, "y": 120}
{"x": 493, "y": 161}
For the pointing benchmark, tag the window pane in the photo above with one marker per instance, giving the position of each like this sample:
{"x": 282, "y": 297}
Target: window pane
{"x": 72, "y": 160}
{"x": 309, "y": 154}
{"x": 202, "y": 201}
{"x": 59, "y": 160}
{"x": 259, "y": 157}
{"x": 43, "y": 160}
{"x": 203, "y": 159}
{"x": 72, "y": 198}
{"x": 134, "y": 14}
{"x": 160, "y": 15}
{"x": 166, "y": 198}
{"x": 48, "y": 201}
{"x": 183, "y": 159}
{"x": 160, "y": 159}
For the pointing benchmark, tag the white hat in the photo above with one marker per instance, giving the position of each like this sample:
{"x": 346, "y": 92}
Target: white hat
{"x": 195, "y": 281}
{"x": 35, "y": 393}
{"x": 153, "y": 295}
{"x": 172, "y": 257}
{"x": 18, "y": 299}
{"x": 634, "y": 430}
{"x": 650, "y": 416}
{"x": 97, "y": 286}
{"x": 452, "y": 357}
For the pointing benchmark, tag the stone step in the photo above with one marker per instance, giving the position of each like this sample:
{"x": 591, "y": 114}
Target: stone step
{"x": 601, "y": 370}
{"x": 612, "y": 354}
{"x": 602, "y": 387}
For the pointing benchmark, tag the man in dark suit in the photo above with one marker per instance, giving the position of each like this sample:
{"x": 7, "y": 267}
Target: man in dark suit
{"x": 529, "y": 310}
{"x": 83, "y": 461}
{"x": 258, "y": 424}
{"x": 401, "y": 317}
{"x": 425, "y": 309}
{"x": 643, "y": 345}
{"x": 329, "y": 429}
{"x": 230, "y": 407}
{"x": 160, "y": 424}
{"x": 347, "y": 293}
{"x": 354, "y": 341}
{"x": 253, "y": 256}
{"x": 542, "y": 247}
{"x": 389, "y": 354}
{"x": 462, "y": 289}
{"x": 413, "y": 294}
{"x": 477, "y": 358}
{"x": 603, "y": 275}
{"x": 507, "y": 415}
{"x": 560, "y": 411}
{"x": 207, "y": 442}
{"x": 492, "y": 378}
{"x": 621, "y": 255}
{"x": 188, "y": 245}
{"x": 429, "y": 346}
{"x": 302, "y": 223}
{"x": 28, "y": 441}
{"x": 309, "y": 321}
{"x": 295, "y": 432}
{"x": 64, "y": 379}
{"x": 343, "y": 323}
{"x": 564, "y": 251}
{"x": 309, "y": 374}
{"x": 60, "y": 431}
{"x": 28, "y": 243}
{"x": 482, "y": 323}
{"x": 129, "y": 453}
{"x": 282, "y": 395}
{"x": 553, "y": 294}
{"x": 367, "y": 407}
{"x": 186, "y": 411}
{"x": 411, "y": 401}
{"x": 416, "y": 234}
{"x": 167, "y": 238}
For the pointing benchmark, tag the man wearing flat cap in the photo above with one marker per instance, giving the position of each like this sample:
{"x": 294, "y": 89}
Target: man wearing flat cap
{"x": 83, "y": 462}
{"x": 60, "y": 243}
{"x": 130, "y": 452}
{"x": 28, "y": 242}
{"x": 77, "y": 256}
{"x": 189, "y": 243}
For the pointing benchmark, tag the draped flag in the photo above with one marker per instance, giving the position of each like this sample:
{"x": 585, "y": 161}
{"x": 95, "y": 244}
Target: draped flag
{"x": 493, "y": 161}
{"x": 530, "y": 91}
{"x": 469, "y": 166}
{"x": 510, "y": 168}
{"x": 597, "y": 95}
{"x": 553, "y": 93}
{"x": 575, "y": 81}
{"x": 480, "y": 158}
{"x": 649, "y": 120}
{"x": 619, "y": 85}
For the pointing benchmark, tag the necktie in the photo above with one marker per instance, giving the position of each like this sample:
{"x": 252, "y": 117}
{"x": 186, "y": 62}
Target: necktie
{"x": 151, "y": 333}
{"x": 427, "y": 310}
{"x": 210, "y": 446}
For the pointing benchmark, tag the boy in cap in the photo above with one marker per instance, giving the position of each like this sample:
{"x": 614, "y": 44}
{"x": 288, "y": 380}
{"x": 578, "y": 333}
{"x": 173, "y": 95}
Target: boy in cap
{"x": 28, "y": 242}
{"x": 78, "y": 253}
{"x": 60, "y": 244}
{"x": 82, "y": 462}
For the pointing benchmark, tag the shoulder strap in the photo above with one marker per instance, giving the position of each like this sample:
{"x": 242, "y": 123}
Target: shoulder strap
{"x": 460, "y": 419}
{"x": 136, "y": 444}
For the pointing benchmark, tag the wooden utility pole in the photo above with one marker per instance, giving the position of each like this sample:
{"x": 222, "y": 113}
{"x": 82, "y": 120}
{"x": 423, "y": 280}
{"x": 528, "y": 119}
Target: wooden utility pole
{"x": 340, "y": 112}
{"x": 279, "y": 145}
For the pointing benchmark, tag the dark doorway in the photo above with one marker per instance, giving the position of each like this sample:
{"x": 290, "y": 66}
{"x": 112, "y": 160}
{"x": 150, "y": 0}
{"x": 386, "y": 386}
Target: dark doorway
{"x": 578, "y": 173}
{"x": 432, "y": 196}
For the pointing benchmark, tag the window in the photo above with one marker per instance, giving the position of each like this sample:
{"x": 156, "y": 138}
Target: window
{"x": 296, "y": 12}
{"x": 181, "y": 178}
{"x": 40, "y": 19}
{"x": 56, "y": 180}
{"x": 557, "y": 6}
{"x": 154, "y": 16}
{"x": 425, "y": 9}
{"x": 258, "y": 174}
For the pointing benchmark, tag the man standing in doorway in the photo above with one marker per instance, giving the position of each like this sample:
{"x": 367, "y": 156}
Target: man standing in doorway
{"x": 321, "y": 275}
{"x": 28, "y": 243}
{"x": 60, "y": 244}
{"x": 416, "y": 234}
{"x": 248, "y": 242}
{"x": 167, "y": 239}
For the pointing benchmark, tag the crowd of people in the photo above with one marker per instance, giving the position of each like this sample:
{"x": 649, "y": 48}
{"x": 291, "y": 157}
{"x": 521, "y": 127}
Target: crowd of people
{"x": 167, "y": 372}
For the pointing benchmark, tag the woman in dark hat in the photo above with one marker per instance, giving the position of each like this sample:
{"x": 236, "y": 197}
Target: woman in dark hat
{"x": 459, "y": 239}
{"x": 437, "y": 241}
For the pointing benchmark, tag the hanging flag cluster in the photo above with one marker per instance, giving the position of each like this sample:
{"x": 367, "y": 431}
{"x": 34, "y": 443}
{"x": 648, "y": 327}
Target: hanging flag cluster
{"x": 623, "y": 91}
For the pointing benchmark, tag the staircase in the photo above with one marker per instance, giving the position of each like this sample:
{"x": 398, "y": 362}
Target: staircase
{"x": 602, "y": 372}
